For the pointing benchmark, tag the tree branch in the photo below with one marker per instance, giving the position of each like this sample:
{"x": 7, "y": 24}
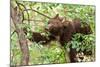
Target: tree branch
{"x": 38, "y": 12}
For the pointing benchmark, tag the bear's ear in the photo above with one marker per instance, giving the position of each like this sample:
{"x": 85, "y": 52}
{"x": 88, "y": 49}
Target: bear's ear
{"x": 61, "y": 18}
{"x": 57, "y": 15}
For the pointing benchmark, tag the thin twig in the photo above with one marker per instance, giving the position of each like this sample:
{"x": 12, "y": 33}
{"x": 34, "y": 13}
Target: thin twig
{"x": 38, "y": 12}
{"x": 33, "y": 20}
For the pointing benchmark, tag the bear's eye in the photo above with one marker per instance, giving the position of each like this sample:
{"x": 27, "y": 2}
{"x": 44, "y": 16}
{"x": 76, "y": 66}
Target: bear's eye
{"x": 65, "y": 27}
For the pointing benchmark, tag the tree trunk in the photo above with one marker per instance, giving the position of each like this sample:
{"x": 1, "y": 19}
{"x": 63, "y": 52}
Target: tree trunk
{"x": 16, "y": 17}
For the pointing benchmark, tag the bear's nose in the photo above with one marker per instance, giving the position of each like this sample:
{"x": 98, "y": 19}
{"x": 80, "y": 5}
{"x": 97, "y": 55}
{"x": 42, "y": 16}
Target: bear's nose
{"x": 49, "y": 26}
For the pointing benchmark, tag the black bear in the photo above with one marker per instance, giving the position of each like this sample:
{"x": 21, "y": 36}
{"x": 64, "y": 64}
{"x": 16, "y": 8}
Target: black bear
{"x": 37, "y": 37}
{"x": 62, "y": 30}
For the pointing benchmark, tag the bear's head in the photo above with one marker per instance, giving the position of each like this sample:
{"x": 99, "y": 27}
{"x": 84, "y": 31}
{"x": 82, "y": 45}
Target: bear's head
{"x": 55, "y": 25}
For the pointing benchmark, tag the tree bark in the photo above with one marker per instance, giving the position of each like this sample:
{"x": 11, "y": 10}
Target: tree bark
{"x": 16, "y": 17}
